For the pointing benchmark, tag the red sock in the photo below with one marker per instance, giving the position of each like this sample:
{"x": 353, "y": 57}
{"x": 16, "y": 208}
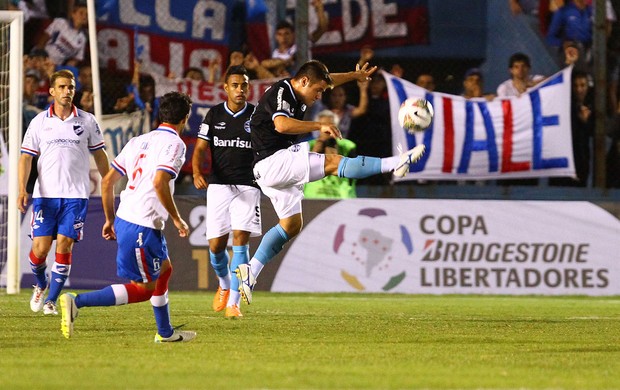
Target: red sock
{"x": 136, "y": 293}
{"x": 36, "y": 260}
{"x": 161, "y": 285}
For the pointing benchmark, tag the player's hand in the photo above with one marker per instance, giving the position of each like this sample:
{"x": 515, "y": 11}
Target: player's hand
{"x": 22, "y": 201}
{"x": 182, "y": 226}
{"x": 331, "y": 130}
{"x": 200, "y": 183}
{"x": 108, "y": 232}
{"x": 363, "y": 73}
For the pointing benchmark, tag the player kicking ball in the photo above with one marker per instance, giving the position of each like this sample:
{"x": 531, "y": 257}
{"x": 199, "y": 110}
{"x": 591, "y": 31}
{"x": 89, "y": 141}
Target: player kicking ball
{"x": 151, "y": 162}
{"x": 282, "y": 165}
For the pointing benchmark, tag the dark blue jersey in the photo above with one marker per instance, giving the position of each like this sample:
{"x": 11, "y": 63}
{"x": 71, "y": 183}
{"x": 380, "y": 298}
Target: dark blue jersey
{"x": 279, "y": 99}
{"x": 228, "y": 134}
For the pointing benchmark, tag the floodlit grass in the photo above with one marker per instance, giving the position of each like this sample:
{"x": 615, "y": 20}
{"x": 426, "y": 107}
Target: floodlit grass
{"x": 317, "y": 341}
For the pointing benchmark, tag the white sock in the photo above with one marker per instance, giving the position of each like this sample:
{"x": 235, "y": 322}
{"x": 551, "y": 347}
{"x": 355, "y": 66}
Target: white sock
{"x": 388, "y": 164}
{"x": 234, "y": 298}
{"x": 225, "y": 281}
{"x": 255, "y": 267}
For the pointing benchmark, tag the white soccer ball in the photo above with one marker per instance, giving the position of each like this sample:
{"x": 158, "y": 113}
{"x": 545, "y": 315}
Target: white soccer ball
{"x": 415, "y": 114}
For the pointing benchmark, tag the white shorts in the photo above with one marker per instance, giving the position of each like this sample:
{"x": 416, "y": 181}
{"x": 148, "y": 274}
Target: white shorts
{"x": 232, "y": 207}
{"x": 282, "y": 176}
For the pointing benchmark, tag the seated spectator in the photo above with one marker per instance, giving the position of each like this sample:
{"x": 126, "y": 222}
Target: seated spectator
{"x": 331, "y": 187}
{"x": 582, "y": 126}
{"x": 473, "y": 85}
{"x": 397, "y": 71}
{"x": 426, "y": 81}
{"x": 140, "y": 96}
{"x": 283, "y": 59}
{"x": 65, "y": 40}
{"x": 519, "y": 67}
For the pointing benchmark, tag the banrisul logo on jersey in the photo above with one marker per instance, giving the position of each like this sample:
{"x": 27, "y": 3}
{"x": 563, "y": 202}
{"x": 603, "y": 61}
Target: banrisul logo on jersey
{"x": 373, "y": 249}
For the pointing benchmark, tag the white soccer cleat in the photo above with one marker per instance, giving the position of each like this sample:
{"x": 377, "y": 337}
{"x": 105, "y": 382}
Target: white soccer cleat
{"x": 246, "y": 282}
{"x": 408, "y": 158}
{"x": 50, "y": 308}
{"x": 177, "y": 336}
{"x": 36, "y": 302}
{"x": 69, "y": 312}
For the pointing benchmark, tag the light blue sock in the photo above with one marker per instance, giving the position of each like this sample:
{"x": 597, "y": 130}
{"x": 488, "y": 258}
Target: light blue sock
{"x": 103, "y": 297}
{"x": 241, "y": 255}
{"x": 272, "y": 243}
{"x": 219, "y": 261}
{"x": 359, "y": 167}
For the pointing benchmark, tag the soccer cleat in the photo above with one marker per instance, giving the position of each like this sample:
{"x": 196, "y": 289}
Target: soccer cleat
{"x": 233, "y": 312}
{"x": 50, "y": 308}
{"x": 36, "y": 302}
{"x": 407, "y": 159}
{"x": 177, "y": 336}
{"x": 69, "y": 312}
{"x": 220, "y": 299}
{"x": 246, "y": 282}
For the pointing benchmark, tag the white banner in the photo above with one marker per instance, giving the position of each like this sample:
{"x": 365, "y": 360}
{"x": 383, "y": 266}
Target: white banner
{"x": 528, "y": 136}
{"x": 455, "y": 247}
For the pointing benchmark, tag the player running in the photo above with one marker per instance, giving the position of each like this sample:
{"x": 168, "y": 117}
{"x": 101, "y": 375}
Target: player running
{"x": 151, "y": 162}
{"x": 233, "y": 197}
{"x": 62, "y": 137}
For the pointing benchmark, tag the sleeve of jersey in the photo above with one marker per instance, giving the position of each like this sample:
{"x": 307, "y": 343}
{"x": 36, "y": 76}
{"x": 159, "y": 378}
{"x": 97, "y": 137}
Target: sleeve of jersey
{"x": 284, "y": 101}
{"x": 96, "y": 140}
{"x": 30, "y": 144}
{"x": 172, "y": 158}
{"x": 203, "y": 132}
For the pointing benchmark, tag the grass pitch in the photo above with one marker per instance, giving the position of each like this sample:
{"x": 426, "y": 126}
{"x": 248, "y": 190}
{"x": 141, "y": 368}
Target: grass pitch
{"x": 321, "y": 341}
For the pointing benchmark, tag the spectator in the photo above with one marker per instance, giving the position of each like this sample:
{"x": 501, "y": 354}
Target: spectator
{"x": 473, "y": 85}
{"x": 372, "y": 132}
{"x": 572, "y": 22}
{"x": 344, "y": 111}
{"x": 520, "y": 80}
{"x": 397, "y": 70}
{"x": 65, "y": 40}
{"x": 38, "y": 61}
{"x": 582, "y": 124}
{"x": 283, "y": 62}
{"x": 194, "y": 74}
{"x": 331, "y": 187}
{"x": 613, "y": 63}
{"x": 426, "y": 81}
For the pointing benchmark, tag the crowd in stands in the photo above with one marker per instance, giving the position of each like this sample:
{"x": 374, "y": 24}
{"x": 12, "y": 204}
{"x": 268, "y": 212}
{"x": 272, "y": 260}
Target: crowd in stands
{"x": 362, "y": 109}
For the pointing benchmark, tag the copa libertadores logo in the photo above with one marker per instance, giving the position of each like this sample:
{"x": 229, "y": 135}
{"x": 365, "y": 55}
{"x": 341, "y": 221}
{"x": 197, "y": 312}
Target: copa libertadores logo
{"x": 373, "y": 248}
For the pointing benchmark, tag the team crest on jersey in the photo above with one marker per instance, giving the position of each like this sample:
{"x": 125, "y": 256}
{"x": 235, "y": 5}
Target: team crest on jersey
{"x": 246, "y": 126}
{"x": 78, "y": 129}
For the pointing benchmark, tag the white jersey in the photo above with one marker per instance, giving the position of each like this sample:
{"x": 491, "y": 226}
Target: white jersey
{"x": 140, "y": 159}
{"x": 63, "y": 148}
{"x": 65, "y": 41}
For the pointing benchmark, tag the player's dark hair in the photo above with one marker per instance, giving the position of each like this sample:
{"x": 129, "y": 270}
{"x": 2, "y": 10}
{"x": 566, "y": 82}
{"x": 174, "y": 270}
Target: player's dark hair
{"x": 519, "y": 57}
{"x": 61, "y": 74}
{"x": 236, "y": 69}
{"x": 316, "y": 71}
{"x": 174, "y": 107}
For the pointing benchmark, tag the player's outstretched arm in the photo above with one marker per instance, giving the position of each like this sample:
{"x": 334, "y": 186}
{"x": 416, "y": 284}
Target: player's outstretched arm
{"x": 361, "y": 73}
{"x": 162, "y": 188}
{"x": 23, "y": 171}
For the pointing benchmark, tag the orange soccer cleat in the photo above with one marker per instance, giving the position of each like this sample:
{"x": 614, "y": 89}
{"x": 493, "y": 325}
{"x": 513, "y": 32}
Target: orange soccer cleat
{"x": 220, "y": 299}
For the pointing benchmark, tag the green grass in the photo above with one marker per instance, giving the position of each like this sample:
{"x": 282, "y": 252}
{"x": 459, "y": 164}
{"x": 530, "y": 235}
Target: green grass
{"x": 316, "y": 341}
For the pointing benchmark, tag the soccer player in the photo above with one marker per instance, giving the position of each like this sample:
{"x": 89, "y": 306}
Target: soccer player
{"x": 63, "y": 137}
{"x": 150, "y": 162}
{"x": 282, "y": 166}
{"x": 233, "y": 197}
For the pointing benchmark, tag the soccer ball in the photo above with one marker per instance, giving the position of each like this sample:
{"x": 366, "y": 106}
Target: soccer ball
{"x": 415, "y": 114}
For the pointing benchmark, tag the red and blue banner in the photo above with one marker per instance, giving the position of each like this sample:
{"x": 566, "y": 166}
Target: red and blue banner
{"x": 518, "y": 137}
